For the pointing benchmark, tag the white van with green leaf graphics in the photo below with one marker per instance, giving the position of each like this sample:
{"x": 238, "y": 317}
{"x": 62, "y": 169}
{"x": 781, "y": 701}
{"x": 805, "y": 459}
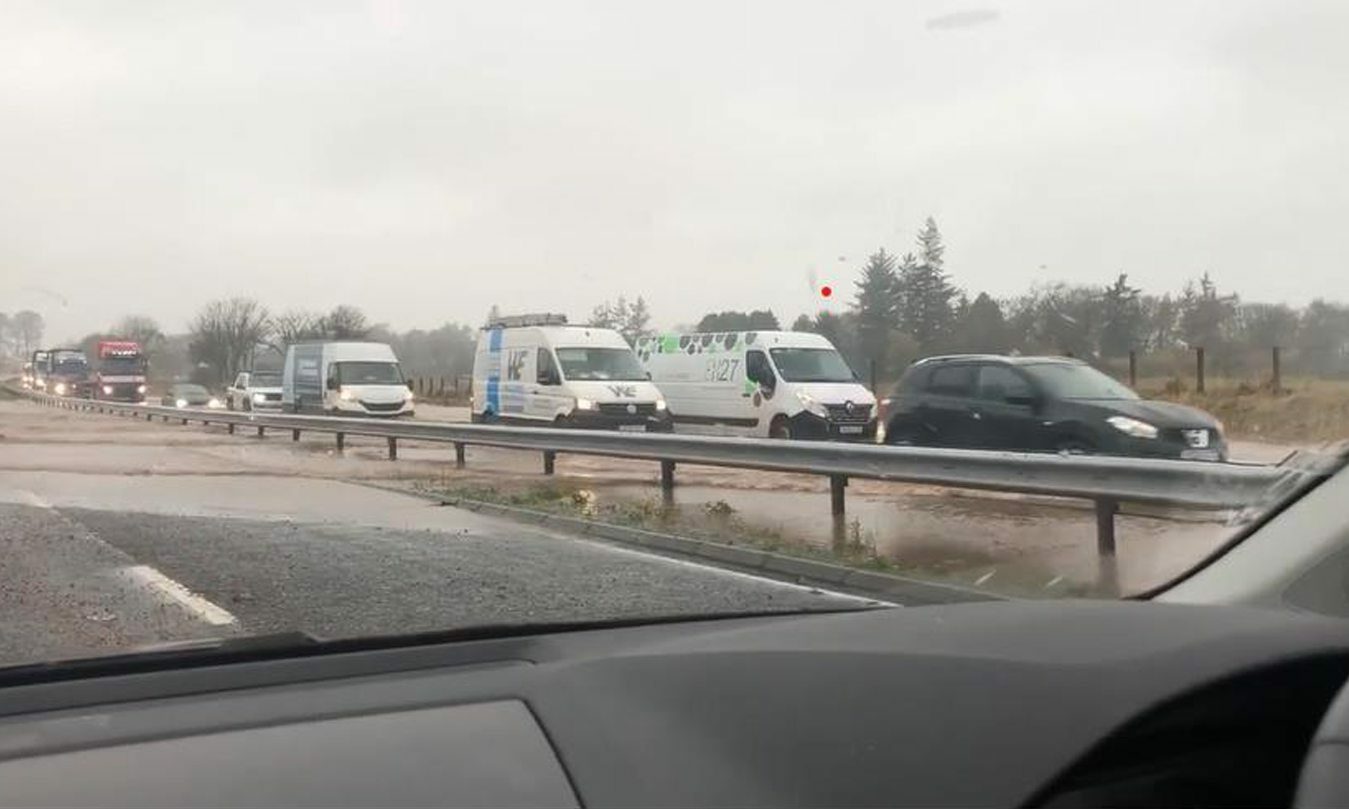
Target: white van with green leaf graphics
{"x": 780, "y": 384}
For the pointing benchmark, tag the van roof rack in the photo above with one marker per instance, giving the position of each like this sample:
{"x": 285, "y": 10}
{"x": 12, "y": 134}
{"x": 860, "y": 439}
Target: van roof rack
{"x": 539, "y": 319}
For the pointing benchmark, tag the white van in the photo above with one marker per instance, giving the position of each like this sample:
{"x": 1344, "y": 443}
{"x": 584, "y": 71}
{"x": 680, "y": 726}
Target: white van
{"x": 344, "y": 379}
{"x": 536, "y": 369}
{"x": 781, "y": 384}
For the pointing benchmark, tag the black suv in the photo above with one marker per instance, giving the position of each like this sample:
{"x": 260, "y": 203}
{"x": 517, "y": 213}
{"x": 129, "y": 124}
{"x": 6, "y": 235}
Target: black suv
{"x": 1054, "y": 404}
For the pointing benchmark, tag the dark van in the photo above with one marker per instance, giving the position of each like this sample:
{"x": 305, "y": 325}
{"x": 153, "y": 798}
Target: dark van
{"x": 1051, "y": 404}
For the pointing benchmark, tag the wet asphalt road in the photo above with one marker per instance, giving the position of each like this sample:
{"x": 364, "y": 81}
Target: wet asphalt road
{"x": 77, "y": 581}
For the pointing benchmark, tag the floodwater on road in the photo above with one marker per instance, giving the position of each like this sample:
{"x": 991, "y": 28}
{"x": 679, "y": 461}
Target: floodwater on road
{"x": 1013, "y": 545}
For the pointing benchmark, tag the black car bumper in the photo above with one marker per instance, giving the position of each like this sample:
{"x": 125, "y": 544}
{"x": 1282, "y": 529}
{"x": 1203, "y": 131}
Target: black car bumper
{"x": 1168, "y": 447}
{"x": 809, "y": 425}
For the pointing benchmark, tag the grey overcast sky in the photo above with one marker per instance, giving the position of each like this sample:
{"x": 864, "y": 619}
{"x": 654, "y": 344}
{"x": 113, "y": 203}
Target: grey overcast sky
{"x": 424, "y": 160}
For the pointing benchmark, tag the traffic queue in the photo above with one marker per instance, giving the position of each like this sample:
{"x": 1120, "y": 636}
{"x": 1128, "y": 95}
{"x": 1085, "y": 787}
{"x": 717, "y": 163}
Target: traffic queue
{"x": 541, "y": 370}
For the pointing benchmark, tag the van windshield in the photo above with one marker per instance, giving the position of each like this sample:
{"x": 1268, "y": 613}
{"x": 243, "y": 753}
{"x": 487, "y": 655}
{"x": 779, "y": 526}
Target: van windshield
{"x": 368, "y": 373}
{"x": 812, "y": 365}
{"x": 581, "y": 364}
{"x": 265, "y": 379}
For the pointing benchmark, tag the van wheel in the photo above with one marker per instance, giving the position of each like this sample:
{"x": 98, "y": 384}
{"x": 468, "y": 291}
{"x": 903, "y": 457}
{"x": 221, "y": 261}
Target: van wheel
{"x": 780, "y": 428}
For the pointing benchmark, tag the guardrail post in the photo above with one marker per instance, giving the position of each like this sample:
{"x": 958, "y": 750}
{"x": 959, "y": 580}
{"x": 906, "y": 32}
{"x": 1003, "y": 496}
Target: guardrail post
{"x": 149, "y": 416}
{"x": 230, "y": 428}
{"x": 458, "y": 455}
{"x": 549, "y": 458}
{"x": 667, "y": 469}
{"x": 294, "y": 435}
{"x": 341, "y": 442}
{"x": 262, "y": 431}
{"x": 1105, "y": 527}
{"x": 1199, "y": 369}
{"x": 837, "y": 483}
{"x": 393, "y": 448}
{"x": 1278, "y": 372}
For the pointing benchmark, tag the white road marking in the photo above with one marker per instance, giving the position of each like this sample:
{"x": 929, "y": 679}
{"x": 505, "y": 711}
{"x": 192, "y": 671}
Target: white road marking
{"x": 984, "y": 578}
{"x": 736, "y": 574}
{"x": 180, "y": 595}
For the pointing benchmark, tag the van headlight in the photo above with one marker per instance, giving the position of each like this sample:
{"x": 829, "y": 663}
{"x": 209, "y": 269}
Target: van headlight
{"x": 407, "y": 397}
{"x": 345, "y": 395}
{"x": 259, "y": 398}
{"x": 585, "y": 404}
{"x": 139, "y": 389}
{"x": 660, "y": 405}
{"x": 181, "y": 403}
{"x": 107, "y": 390}
{"x": 1132, "y": 427}
{"x": 811, "y": 404}
{"x": 60, "y": 389}
{"x": 215, "y": 403}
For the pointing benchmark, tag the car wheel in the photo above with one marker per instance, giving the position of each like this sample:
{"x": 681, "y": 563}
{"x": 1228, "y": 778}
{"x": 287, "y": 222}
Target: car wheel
{"x": 248, "y": 406}
{"x": 780, "y": 428}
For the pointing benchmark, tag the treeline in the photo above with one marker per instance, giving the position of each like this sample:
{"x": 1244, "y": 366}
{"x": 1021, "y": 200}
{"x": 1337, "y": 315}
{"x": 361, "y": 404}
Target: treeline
{"x": 21, "y": 333}
{"x": 908, "y": 306}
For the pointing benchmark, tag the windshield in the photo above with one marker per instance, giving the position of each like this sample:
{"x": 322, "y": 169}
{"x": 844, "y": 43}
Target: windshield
{"x": 605, "y": 364}
{"x": 1055, "y": 292}
{"x": 811, "y": 365}
{"x": 121, "y": 365}
{"x": 368, "y": 373}
{"x": 1067, "y": 381}
{"x": 70, "y": 365}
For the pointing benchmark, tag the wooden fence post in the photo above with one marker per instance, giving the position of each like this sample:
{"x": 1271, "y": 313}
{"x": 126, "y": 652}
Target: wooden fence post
{"x": 1199, "y": 369}
{"x": 1278, "y": 372}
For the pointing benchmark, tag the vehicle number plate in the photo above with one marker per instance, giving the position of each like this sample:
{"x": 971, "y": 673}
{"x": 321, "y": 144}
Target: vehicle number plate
{"x": 632, "y": 428}
{"x": 850, "y": 429}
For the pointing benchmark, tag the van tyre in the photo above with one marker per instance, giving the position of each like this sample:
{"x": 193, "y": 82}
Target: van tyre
{"x": 781, "y": 428}
{"x": 1074, "y": 446}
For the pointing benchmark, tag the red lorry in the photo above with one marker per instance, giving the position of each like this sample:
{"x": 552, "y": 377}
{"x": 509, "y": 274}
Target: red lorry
{"x": 119, "y": 371}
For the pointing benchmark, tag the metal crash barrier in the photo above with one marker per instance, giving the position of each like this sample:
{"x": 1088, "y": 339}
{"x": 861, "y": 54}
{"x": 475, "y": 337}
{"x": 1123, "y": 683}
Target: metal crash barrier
{"x": 1105, "y": 481}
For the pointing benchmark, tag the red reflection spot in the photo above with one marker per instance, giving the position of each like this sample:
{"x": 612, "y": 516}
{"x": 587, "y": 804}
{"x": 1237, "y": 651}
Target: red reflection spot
{"x": 826, "y": 291}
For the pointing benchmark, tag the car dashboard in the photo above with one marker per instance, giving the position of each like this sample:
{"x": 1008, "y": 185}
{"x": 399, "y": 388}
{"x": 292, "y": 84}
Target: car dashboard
{"x": 1000, "y": 703}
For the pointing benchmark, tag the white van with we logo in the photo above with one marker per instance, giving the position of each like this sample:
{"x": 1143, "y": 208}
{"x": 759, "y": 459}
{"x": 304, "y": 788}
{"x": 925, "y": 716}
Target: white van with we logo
{"x": 538, "y": 369}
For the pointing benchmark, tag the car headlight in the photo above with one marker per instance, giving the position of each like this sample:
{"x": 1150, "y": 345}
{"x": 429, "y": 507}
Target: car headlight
{"x": 60, "y": 389}
{"x": 812, "y": 404}
{"x": 214, "y": 402}
{"x": 107, "y": 390}
{"x": 345, "y": 395}
{"x": 140, "y": 389}
{"x": 660, "y": 405}
{"x": 181, "y": 403}
{"x": 408, "y": 396}
{"x": 259, "y": 398}
{"x": 1133, "y": 427}
{"x": 585, "y": 404}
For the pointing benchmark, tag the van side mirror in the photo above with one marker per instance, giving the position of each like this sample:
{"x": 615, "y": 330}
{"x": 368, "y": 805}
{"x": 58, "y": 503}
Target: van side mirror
{"x": 332, "y": 383}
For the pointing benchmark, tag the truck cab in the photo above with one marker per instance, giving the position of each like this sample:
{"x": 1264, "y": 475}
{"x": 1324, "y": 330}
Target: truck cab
{"x": 540, "y": 370}
{"x": 120, "y": 372}
{"x": 68, "y": 372}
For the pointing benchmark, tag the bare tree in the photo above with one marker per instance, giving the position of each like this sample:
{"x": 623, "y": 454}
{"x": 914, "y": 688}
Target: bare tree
{"x": 26, "y": 329}
{"x": 142, "y": 329}
{"x": 225, "y": 333}
{"x": 345, "y": 323}
{"x": 295, "y": 325}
